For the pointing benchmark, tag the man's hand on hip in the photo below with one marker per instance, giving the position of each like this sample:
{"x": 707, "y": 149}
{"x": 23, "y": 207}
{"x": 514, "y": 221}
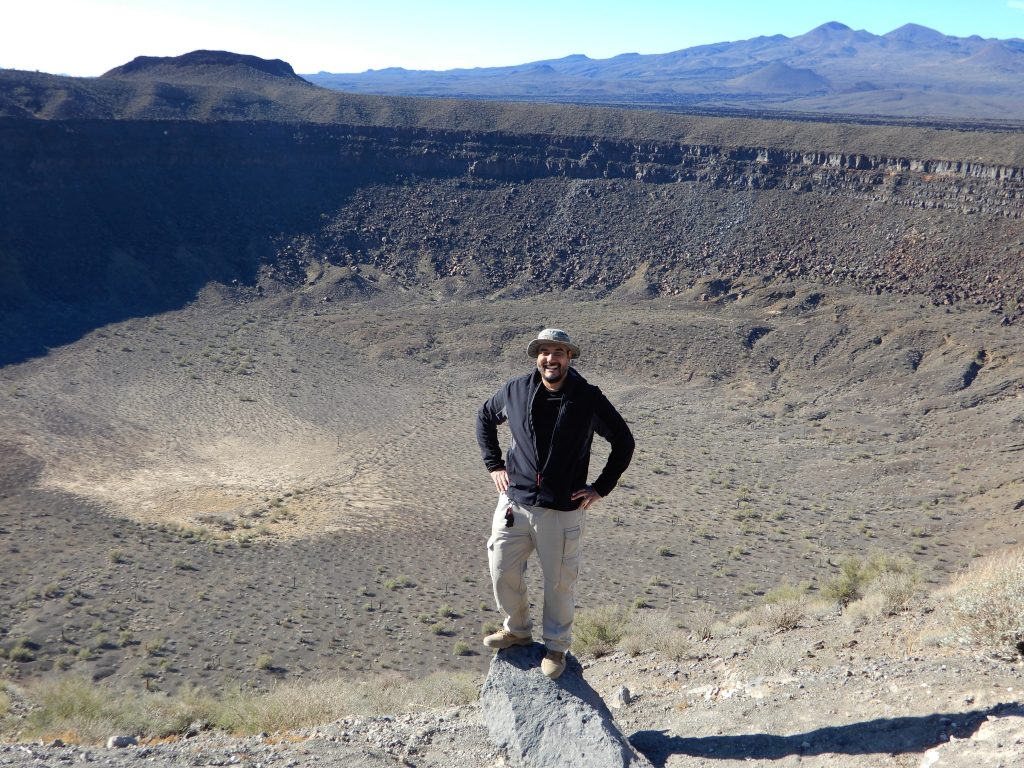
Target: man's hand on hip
{"x": 586, "y": 496}
{"x": 500, "y": 478}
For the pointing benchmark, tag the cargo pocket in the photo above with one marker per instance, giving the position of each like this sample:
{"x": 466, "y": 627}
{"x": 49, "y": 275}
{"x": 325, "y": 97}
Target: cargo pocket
{"x": 570, "y": 556}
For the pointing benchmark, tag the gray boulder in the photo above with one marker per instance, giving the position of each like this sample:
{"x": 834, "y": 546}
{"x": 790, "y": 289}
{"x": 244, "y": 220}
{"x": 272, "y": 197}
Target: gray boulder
{"x": 543, "y": 723}
{"x": 120, "y": 742}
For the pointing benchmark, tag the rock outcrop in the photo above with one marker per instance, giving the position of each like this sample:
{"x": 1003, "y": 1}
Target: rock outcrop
{"x": 544, "y": 723}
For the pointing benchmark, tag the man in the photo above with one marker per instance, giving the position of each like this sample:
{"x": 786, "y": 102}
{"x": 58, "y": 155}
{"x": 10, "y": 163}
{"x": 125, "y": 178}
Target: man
{"x": 552, "y": 414}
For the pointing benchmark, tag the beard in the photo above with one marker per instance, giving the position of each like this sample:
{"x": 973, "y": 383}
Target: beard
{"x": 553, "y": 375}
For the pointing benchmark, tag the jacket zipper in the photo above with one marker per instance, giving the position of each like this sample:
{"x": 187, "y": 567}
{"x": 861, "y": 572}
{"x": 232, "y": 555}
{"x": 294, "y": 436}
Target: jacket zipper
{"x": 554, "y": 429}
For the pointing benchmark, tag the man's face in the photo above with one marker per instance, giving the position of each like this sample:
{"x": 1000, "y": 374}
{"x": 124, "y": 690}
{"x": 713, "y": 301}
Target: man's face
{"x": 553, "y": 364}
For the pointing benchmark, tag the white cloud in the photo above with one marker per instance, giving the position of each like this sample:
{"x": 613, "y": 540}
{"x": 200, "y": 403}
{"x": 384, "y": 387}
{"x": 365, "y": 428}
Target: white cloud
{"x": 1017, "y": 4}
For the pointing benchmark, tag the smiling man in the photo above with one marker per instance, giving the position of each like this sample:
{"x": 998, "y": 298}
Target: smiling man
{"x": 552, "y": 414}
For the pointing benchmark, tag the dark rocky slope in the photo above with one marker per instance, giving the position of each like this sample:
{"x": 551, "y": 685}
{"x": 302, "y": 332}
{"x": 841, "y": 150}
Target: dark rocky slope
{"x": 105, "y": 219}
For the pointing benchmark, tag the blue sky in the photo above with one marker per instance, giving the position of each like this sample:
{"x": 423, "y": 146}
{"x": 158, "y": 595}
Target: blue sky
{"x": 88, "y": 37}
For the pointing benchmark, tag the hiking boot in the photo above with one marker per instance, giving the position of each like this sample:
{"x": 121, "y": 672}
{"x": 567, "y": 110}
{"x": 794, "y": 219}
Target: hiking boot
{"x": 553, "y": 664}
{"x": 505, "y": 639}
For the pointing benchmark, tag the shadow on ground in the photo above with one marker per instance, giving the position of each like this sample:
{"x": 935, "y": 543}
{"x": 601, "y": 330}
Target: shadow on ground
{"x": 890, "y": 736}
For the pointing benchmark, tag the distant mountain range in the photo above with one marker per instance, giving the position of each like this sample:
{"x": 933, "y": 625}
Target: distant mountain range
{"x": 911, "y": 72}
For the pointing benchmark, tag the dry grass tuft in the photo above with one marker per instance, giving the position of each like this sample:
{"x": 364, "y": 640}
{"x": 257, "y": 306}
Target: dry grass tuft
{"x": 650, "y": 630}
{"x": 773, "y": 658}
{"x": 987, "y": 604}
{"x": 90, "y": 713}
{"x": 299, "y": 705}
{"x": 83, "y": 711}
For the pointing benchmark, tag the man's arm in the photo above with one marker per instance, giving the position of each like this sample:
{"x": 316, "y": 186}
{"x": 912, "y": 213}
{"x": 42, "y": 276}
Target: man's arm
{"x": 613, "y": 428}
{"x": 490, "y": 415}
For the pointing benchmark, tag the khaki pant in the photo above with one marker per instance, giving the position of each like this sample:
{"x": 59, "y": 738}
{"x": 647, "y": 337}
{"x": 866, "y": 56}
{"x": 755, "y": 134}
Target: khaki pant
{"x": 556, "y": 537}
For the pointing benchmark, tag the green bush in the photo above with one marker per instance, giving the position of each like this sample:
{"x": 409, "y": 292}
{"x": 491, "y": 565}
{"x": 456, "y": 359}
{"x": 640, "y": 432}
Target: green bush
{"x": 847, "y": 586}
{"x": 786, "y": 592}
{"x": 856, "y": 574}
{"x": 400, "y": 582}
{"x": 117, "y": 557}
{"x": 21, "y": 653}
{"x": 597, "y": 631}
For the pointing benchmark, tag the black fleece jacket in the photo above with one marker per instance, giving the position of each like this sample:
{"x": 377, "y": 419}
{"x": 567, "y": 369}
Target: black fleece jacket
{"x": 585, "y": 410}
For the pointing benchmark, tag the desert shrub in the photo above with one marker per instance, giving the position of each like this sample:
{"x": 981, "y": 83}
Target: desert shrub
{"x": 117, "y": 557}
{"x": 783, "y": 615}
{"x": 856, "y": 574}
{"x": 21, "y": 653}
{"x": 399, "y": 582}
{"x": 655, "y": 631}
{"x": 784, "y": 608}
{"x": 461, "y": 648}
{"x": 846, "y": 587}
{"x": 5, "y": 701}
{"x": 894, "y": 592}
{"x": 987, "y": 604}
{"x": 265, "y": 661}
{"x": 154, "y": 646}
{"x": 703, "y": 623}
{"x": 597, "y": 631}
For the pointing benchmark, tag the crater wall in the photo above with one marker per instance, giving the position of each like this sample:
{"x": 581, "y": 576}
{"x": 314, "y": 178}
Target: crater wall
{"x": 103, "y": 219}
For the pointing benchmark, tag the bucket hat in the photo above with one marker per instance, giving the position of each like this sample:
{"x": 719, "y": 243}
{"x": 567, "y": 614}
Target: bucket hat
{"x": 553, "y": 336}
